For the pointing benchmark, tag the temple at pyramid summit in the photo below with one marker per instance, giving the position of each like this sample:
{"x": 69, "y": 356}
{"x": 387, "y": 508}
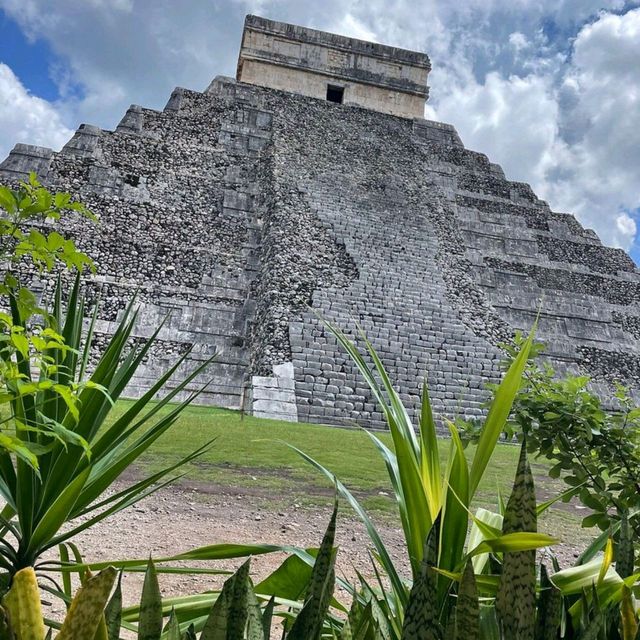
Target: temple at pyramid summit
{"x": 311, "y": 185}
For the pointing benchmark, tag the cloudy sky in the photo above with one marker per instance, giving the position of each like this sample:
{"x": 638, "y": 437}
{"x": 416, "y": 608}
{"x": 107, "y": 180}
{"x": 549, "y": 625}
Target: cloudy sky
{"x": 550, "y": 89}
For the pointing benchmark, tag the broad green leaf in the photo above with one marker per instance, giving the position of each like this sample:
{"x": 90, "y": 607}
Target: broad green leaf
{"x": 498, "y": 415}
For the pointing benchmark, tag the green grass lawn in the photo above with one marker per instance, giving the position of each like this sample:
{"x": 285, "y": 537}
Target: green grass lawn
{"x": 250, "y": 454}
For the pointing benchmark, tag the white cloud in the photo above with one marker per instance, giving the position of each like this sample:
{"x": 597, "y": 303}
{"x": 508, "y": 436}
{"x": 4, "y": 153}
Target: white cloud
{"x": 571, "y": 129}
{"x": 26, "y": 118}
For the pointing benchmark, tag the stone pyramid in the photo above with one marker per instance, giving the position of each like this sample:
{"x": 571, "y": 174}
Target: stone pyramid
{"x": 246, "y": 210}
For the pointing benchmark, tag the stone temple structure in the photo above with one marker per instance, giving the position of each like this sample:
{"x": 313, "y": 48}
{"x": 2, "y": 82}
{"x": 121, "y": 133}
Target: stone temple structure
{"x": 311, "y": 184}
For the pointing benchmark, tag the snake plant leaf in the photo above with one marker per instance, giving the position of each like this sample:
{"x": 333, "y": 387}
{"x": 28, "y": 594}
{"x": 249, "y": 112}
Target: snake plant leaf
{"x": 227, "y": 619}
{"x": 308, "y": 623}
{"x": 421, "y": 614}
{"x": 113, "y": 611}
{"x": 628, "y": 615}
{"x": 255, "y": 630}
{"x": 171, "y": 630}
{"x": 267, "y": 617}
{"x": 516, "y": 597}
{"x": 22, "y": 603}
{"x": 215, "y": 627}
{"x": 150, "y": 620}
{"x": 85, "y": 614}
{"x": 549, "y": 613}
{"x": 467, "y": 616}
{"x": 624, "y": 552}
{"x": 239, "y": 603}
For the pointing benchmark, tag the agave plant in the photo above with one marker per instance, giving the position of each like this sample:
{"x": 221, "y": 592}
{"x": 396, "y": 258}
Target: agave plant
{"x": 73, "y": 473}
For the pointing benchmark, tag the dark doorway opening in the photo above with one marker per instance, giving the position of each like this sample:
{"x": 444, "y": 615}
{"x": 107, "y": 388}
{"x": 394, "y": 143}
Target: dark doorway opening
{"x": 335, "y": 94}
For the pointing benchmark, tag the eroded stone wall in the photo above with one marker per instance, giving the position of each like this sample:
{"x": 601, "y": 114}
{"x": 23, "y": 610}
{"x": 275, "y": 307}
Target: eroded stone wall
{"x": 248, "y": 213}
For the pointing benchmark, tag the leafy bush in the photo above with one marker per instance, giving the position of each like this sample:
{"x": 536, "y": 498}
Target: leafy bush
{"x": 594, "y": 450}
{"x": 480, "y": 582}
{"x": 29, "y": 337}
{"x": 59, "y": 451}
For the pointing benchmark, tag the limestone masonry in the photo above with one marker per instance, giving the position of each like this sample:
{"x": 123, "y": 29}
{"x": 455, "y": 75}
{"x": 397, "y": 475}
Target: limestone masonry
{"x": 246, "y": 210}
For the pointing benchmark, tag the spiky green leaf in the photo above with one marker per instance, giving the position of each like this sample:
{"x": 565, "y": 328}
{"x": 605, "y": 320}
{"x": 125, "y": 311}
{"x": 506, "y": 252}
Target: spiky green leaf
{"x": 516, "y": 597}
{"x": 308, "y": 623}
{"x": 467, "y": 615}
{"x": 421, "y": 614}
{"x": 549, "y": 613}
{"x": 150, "y": 620}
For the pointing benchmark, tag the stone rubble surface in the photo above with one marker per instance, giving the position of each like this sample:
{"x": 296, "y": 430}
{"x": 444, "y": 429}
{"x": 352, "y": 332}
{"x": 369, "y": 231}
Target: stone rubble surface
{"x": 248, "y": 214}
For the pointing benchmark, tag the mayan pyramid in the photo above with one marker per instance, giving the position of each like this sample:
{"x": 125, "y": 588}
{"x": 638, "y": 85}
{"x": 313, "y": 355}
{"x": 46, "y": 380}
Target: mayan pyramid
{"x": 311, "y": 184}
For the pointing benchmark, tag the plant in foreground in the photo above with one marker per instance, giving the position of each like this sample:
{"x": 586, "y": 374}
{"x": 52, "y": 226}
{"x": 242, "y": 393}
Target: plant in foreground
{"x": 593, "y": 449}
{"x": 28, "y": 337}
{"x": 435, "y": 505}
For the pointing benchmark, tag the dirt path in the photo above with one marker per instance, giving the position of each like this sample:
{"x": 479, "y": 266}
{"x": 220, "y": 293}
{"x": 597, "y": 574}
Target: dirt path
{"x": 180, "y": 518}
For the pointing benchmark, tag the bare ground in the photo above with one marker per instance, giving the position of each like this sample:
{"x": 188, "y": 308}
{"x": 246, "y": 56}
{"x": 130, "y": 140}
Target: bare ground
{"x": 180, "y": 518}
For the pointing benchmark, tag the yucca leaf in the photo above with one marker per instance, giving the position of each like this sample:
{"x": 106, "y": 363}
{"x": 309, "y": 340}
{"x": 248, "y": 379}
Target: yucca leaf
{"x": 417, "y": 521}
{"x": 50, "y": 521}
{"x": 308, "y": 623}
{"x": 85, "y": 614}
{"x": 516, "y": 597}
{"x": 383, "y": 554}
{"x": 150, "y": 619}
{"x": 430, "y": 455}
{"x": 485, "y": 583}
{"x": 492, "y": 524}
{"x": 454, "y": 520}
{"x": 498, "y": 415}
{"x": 549, "y": 610}
{"x": 467, "y": 612}
{"x": 421, "y": 613}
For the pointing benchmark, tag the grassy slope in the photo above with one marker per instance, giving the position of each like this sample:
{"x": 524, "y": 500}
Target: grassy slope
{"x": 250, "y": 455}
